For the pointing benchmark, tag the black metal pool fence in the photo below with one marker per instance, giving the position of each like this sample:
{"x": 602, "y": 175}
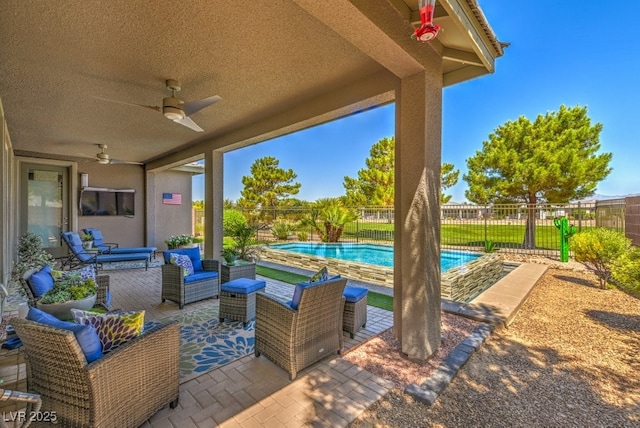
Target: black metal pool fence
{"x": 500, "y": 227}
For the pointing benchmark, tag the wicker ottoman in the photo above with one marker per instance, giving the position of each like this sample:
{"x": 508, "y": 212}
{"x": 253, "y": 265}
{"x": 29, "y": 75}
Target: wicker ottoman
{"x": 238, "y": 299}
{"x": 355, "y": 310}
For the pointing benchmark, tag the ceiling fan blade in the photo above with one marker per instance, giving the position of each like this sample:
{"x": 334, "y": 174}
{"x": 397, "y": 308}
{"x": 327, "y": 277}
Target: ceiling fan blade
{"x": 186, "y": 121}
{"x": 156, "y": 108}
{"x": 118, "y": 161}
{"x": 195, "y": 106}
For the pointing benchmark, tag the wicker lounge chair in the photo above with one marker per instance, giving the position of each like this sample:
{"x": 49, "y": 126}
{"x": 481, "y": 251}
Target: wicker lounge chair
{"x": 123, "y": 388}
{"x": 80, "y": 257}
{"x": 112, "y": 247}
{"x": 296, "y": 338}
{"x": 204, "y": 283}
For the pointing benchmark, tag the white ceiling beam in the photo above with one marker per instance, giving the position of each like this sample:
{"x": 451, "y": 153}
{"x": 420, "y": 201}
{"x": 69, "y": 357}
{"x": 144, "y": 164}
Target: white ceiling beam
{"x": 462, "y": 74}
{"x": 464, "y": 57}
{"x": 463, "y": 17}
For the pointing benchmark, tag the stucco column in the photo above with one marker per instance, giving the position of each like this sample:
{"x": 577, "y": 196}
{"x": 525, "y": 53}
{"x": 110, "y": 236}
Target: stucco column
{"x": 417, "y": 214}
{"x": 213, "y": 204}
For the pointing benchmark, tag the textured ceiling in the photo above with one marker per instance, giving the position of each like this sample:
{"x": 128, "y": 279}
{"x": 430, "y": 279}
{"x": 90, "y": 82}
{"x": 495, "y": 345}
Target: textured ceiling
{"x": 261, "y": 57}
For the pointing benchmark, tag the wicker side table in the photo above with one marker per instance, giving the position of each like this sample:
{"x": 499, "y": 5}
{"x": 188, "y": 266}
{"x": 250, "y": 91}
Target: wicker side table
{"x": 354, "y": 316}
{"x": 238, "y": 299}
{"x": 232, "y": 272}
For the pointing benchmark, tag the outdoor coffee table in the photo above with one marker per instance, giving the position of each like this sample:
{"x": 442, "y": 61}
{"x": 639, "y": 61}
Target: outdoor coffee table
{"x": 238, "y": 299}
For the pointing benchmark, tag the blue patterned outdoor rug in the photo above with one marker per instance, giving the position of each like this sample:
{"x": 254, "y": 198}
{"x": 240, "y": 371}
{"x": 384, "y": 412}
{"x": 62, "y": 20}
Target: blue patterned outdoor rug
{"x": 207, "y": 344}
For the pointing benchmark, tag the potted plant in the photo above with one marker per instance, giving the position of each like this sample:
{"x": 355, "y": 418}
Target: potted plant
{"x": 178, "y": 241}
{"x": 230, "y": 255}
{"x": 87, "y": 242}
{"x": 69, "y": 291}
{"x": 31, "y": 255}
{"x": 240, "y": 255}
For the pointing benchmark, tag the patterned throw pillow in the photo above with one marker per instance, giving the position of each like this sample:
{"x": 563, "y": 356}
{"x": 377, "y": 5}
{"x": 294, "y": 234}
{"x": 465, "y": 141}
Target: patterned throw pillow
{"x": 114, "y": 328}
{"x": 184, "y": 262}
{"x": 321, "y": 275}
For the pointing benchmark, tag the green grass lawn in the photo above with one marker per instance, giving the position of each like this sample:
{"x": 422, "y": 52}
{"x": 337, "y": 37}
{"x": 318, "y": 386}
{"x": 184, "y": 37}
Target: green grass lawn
{"x": 374, "y": 299}
{"x": 503, "y": 235}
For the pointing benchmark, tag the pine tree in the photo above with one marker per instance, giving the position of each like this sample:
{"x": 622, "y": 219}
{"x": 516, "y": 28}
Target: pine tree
{"x": 553, "y": 159}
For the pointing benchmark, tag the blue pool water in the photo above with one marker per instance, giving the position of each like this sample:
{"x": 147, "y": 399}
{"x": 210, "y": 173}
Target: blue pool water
{"x": 381, "y": 255}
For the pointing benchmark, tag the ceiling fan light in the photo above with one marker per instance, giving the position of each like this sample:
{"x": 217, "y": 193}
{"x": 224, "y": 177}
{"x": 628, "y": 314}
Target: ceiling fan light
{"x": 173, "y": 113}
{"x": 103, "y": 161}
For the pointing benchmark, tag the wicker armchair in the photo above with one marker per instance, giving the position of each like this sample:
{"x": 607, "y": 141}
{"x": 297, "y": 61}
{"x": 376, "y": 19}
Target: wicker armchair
{"x": 175, "y": 288}
{"x": 123, "y": 388}
{"x": 295, "y": 339}
{"x": 102, "y": 281}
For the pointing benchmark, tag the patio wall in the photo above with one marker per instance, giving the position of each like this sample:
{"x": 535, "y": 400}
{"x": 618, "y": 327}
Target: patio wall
{"x": 127, "y": 231}
{"x": 171, "y": 219}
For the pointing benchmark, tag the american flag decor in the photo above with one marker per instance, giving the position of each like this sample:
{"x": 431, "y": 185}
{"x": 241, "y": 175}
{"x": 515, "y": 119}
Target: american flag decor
{"x": 171, "y": 198}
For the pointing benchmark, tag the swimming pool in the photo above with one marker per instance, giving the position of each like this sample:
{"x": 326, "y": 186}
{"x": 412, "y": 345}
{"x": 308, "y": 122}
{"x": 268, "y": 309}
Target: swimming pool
{"x": 381, "y": 255}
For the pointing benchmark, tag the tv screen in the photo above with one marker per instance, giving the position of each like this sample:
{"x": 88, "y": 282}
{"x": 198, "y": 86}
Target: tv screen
{"x": 98, "y": 202}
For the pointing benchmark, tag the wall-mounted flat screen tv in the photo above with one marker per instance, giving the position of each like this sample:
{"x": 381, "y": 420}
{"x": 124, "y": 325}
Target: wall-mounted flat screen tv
{"x": 101, "y": 202}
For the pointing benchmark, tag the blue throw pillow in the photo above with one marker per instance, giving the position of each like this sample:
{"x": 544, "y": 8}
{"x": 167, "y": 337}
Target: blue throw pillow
{"x": 41, "y": 282}
{"x": 193, "y": 253}
{"x": 86, "y": 335}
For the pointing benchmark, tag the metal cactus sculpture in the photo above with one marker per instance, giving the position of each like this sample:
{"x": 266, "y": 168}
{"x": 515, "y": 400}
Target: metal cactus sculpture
{"x": 566, "y": 232}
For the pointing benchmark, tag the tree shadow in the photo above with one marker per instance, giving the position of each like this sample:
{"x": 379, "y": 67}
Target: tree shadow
{"x": 592, "y": 283}
{"x": 509, "y": 383}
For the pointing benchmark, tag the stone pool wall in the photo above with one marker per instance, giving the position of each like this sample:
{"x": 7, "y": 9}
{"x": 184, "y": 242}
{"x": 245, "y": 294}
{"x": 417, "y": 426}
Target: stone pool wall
{"x": 458, "y": 284}
{"x": 462, "y": 283}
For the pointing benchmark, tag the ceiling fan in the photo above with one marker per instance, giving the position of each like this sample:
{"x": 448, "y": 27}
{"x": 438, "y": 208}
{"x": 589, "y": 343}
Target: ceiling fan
{"x": 103, "y": 157}
{"x": 176, "y": 109}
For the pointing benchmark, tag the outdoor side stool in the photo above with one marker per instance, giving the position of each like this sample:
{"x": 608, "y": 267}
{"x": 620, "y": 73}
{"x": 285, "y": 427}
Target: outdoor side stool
{"x": 355, "y": 309}
{"x": 238, "y": 299}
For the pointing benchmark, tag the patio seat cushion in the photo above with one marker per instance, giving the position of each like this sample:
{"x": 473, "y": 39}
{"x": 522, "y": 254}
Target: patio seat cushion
{"x": 113, "y": 328}
{"x": 243, "y": 286}
{"x": 184, "y": 262}
{"x": 354, "y": 294}
{"x": 199, "y": 276}
{"x": 41, "y": 282}
{"x": 86, "y": 335}
{"x": 193, "y": 253}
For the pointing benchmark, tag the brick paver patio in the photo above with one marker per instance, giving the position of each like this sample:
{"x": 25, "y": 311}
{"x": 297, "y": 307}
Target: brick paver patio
{"x": 254, "y": 392}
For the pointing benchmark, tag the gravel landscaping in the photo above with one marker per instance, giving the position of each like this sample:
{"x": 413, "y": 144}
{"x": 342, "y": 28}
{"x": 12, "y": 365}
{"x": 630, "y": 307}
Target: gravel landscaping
{"x": 570, "y": 358}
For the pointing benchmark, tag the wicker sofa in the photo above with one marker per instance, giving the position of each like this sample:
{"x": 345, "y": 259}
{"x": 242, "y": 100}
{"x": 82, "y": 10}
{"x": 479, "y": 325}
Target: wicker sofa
{"x": 123, "y": 388}
{"x": 296, "y": 338}
{"x": 203, "y": 284}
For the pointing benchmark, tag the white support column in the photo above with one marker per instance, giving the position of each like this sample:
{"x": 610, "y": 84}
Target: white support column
{"x": 213, "y": 204}
{"x": 417, "y": 214}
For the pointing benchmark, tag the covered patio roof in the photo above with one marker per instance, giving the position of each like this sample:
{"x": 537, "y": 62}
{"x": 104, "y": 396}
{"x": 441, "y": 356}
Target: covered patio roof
{"x": 278, "y": 66}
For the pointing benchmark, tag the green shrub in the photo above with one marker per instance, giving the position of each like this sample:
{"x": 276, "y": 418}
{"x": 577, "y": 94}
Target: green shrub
{"x": 489, "y": 246}
{"x": 597, "y": 249}
{"x": 626, "y": 271}
{"x": 281, "y": 229}
{"x": 232, "y": 220}
{"x": 31, "y": 255}
{"x": 303, "y": 235}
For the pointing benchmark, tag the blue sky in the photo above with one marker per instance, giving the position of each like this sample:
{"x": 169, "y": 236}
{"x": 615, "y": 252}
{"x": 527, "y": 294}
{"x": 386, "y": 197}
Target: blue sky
{"x": 572, "y": 52}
